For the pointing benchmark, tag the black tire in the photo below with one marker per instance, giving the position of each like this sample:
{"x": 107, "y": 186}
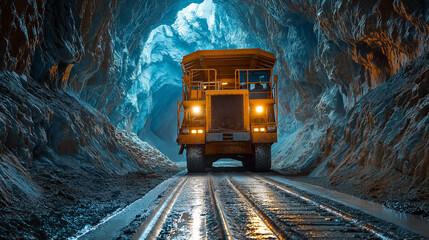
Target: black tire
{"x": 262, "y": 158}
{"x": 195, "y": 158}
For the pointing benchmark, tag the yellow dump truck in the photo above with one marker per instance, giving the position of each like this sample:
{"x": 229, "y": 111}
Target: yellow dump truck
{"x": 228, "y": 109}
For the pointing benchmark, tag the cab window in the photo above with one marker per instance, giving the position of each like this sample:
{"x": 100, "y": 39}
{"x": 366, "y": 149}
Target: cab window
{"x": 255, "y": 76}
{"x": 259, "y": 80}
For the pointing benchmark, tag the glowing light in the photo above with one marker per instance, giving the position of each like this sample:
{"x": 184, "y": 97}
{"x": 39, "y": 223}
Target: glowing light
{"x": 200, "y": 131}
{"x": 196, "y": 109}
{"x": 224, "y": 83}
{"x": 259, "y": 109}
{"x": 193, "y": 131}
{"x": 256, "y": 129}
{"x": 262, "y": 129}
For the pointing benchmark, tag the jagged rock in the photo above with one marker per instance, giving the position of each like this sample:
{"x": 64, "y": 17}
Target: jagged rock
{"x": 58, "y": 132}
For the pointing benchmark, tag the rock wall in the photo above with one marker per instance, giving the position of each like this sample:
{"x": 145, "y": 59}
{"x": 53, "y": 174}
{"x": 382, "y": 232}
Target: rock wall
{"x": 337, "y": 59}
{"x": 349, "y": 44}
{"x": 383, "y": 143}
{"x": 41, "y": 129}
{"x": 20, "y": 33}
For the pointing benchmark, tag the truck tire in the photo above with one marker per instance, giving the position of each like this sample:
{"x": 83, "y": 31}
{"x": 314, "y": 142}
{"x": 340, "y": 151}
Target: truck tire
{"x": 262, "y": 158}
{"x": 195, "y": 158}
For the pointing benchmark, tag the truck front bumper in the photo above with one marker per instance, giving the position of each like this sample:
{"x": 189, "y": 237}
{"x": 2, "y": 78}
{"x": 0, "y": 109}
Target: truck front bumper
{"x": 231, "y": 137}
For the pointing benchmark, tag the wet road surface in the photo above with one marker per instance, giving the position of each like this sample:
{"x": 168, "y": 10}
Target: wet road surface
{"x": 245, "y": 205}
{"x": 251, "y": 206}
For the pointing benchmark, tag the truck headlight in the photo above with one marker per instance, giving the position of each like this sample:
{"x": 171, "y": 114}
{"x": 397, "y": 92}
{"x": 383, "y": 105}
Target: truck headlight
{"x": 256, "y": 129}
{"x": 200, "y": 131}
{"x": 194, "y": 131}
{"x": 196, "y": 109}
{"x": 259, "y": 109}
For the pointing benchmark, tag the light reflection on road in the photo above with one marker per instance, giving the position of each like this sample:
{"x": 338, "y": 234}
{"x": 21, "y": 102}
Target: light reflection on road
{"x": 197, "y": 214}
{"x": 256, "y": 228}
{"x": 187, "y": 220}
{"x": 248, "y": 224}
{"x": 193, "y": 214}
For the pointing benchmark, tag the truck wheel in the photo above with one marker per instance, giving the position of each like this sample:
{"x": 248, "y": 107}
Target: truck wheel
{"x": 262, "y": 158}
{"x": 195, "y": 158}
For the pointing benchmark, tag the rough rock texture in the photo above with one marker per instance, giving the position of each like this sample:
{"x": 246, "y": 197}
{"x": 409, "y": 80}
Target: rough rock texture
{"x": 94, "y": 48}
{"x": 350, "y": 45}
{"x": 21, "y": 33}
{"x": 332, "y": 54}
{"x": 40, "y": 128}
{"x": 63, "y": 165}
{"x": 384, "y": 140}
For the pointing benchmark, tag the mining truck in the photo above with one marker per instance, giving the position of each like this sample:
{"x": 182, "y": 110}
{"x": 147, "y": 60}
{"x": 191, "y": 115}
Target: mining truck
{"x": 229, "y": 108}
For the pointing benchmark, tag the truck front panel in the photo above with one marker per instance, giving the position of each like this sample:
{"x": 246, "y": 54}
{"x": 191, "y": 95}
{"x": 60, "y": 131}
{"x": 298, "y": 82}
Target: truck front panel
{"x": 221, "y": 108}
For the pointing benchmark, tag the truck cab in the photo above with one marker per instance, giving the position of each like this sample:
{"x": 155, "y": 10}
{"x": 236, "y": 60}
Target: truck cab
{"x": 228, "y": 109}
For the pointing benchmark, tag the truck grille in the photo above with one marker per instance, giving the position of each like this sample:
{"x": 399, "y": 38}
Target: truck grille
{"x": 227, "y": 113}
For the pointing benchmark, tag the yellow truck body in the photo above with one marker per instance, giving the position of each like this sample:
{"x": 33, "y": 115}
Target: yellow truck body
{"x": 228, "y": 108}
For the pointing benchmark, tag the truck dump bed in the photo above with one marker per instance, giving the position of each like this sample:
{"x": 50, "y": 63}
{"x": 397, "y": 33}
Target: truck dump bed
{"x": 227, "y": 61}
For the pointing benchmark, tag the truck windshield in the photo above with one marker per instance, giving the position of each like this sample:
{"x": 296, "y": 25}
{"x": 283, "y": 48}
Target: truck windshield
{"x": 259, "y": 82}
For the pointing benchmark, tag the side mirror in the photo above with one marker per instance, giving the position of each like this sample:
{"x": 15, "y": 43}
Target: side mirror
{"x": 276, "y": 78}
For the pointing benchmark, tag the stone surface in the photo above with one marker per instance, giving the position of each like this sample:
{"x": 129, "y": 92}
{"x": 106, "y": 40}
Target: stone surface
{"x": 384, "y": 139}
{"x": 44, "y": 129}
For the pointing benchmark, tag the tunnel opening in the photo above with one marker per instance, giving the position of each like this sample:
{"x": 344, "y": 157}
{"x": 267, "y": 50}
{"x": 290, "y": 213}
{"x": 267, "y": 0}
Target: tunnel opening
{"x": 198, "y": 26}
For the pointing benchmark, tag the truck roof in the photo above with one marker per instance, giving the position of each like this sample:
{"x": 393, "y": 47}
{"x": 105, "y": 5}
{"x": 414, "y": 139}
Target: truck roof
{"x": 228, "y": 60}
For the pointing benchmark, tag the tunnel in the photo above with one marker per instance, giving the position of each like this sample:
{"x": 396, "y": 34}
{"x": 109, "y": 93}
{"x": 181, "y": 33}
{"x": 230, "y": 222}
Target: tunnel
{"x": 89, "y": 92}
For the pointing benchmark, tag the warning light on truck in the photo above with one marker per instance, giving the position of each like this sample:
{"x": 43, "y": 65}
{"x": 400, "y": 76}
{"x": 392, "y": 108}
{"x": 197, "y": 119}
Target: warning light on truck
{"x": 196, "y": 109}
